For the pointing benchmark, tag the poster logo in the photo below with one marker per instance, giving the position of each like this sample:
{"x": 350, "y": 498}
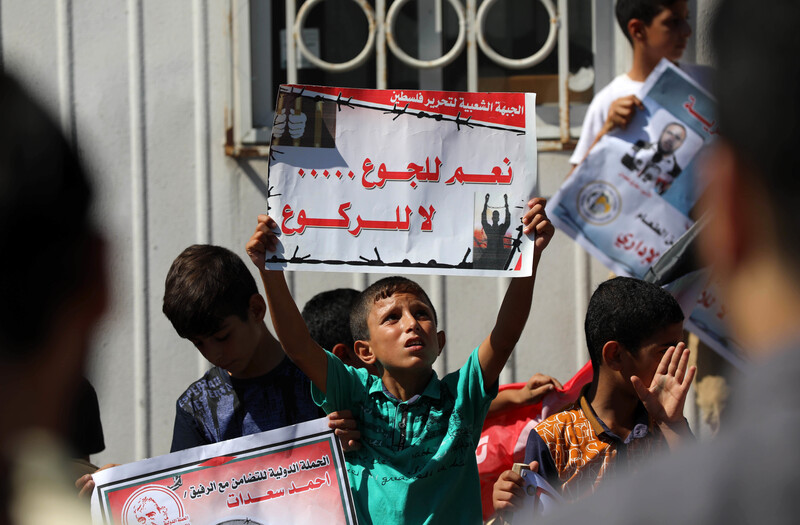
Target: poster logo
{"x": 154, "y": 505}
{"x": 599, "y": 202}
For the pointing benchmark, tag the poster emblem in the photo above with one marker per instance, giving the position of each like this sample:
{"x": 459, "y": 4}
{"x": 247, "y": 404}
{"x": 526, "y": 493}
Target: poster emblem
{"x": 599, "y": 202}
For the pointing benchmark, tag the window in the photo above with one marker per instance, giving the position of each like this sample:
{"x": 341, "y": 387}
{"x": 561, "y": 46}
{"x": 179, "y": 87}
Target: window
{"x": 336, "y": 31}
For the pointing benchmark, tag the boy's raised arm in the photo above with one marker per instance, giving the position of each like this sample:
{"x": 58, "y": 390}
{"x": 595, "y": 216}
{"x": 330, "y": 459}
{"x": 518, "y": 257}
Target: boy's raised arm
{"x": 286, "y": 319}
{"x": 496, "y": 348}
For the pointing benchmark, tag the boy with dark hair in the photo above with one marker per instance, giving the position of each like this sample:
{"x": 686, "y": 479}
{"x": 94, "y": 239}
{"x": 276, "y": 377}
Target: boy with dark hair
{"x": 656, "y": 29}
{"x": 327, "y": 316}
{"x": 633, "y": 329}
{"x": 417, "y": 463}
{"x": 748, "y": 472}
{"x": 212, "y": 299}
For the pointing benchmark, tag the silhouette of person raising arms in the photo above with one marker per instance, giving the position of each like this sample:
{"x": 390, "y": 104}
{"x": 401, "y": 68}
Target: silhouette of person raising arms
{"x": 495, "y": 252}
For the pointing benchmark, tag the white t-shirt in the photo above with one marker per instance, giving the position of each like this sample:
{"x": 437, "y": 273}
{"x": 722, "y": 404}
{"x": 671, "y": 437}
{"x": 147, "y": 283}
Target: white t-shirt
{"x": 621, "y": 86}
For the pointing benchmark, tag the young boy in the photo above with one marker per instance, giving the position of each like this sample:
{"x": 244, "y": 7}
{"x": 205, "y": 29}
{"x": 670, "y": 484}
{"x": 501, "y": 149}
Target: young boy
{"x": 327, "y": 316}
{"x": 633, "y": 329}
{"x": 419, "y": 433}
{"x": 656, "y": 29}
{"x": 212, "y": 299}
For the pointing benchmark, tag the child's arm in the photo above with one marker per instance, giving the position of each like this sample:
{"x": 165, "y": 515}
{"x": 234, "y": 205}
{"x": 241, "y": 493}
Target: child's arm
{"x": 286, "y": 319}
{"x": 495, "y": 349}
{"x": 666, "y": 396}
{"x": 538, "y": 386}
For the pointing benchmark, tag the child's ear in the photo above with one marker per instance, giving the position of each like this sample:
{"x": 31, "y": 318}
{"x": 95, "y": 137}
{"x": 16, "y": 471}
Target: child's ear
{"x": 364, "y": 352}
{"x": 442, "y": 340}
{"x": 258, "y": 307}
{"x": 340, "y": 351}
{"x": 612, "y": 355}
{"x": 345, "y": 355}
{"x": 636, "y": 29}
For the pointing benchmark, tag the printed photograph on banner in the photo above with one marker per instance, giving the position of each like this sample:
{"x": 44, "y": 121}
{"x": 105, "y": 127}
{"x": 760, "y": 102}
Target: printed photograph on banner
{"x": 388, "y": 181}
{"x": 291, "y": 475}
{"x": 497, "y": 231}
{"x": 635, "y": 193}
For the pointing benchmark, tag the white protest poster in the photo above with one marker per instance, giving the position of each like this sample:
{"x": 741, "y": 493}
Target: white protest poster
{"x": 294, "y": 474}
{"x": 418, "y": 182}
{"x": 633, "y": 195}
{"x": 708, "y": 317}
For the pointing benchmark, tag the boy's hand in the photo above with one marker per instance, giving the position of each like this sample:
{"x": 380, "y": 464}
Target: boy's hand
{"x": 621, "y": 112}
{"x": 85, "y": 483}
{"x": 344, "y": 426}
{"x": 538, "y": 386}
{"x": 263, "y": 240}
{"x": 535, "y": 221}
{"x": 667, "y": 393}
{"x": 508, "y": 490}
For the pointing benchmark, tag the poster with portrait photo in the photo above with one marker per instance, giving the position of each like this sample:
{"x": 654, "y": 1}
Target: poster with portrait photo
{"x": 294, "y": 474}
{"x": 633, "y": 196}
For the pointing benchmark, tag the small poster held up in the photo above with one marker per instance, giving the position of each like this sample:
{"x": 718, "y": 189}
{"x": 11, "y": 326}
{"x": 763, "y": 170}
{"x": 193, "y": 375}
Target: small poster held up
{"x": 633, "y": 196}
{"x": 419, "y": 182}
{"x": 294, "y": 474}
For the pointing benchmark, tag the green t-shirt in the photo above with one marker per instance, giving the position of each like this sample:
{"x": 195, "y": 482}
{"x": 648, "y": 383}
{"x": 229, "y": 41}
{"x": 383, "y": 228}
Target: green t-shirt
{"x": 417, "y": 459}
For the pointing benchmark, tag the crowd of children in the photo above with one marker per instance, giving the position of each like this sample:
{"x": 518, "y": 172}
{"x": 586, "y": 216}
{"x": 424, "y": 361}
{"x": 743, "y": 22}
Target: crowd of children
{"x": 366, "y": 358}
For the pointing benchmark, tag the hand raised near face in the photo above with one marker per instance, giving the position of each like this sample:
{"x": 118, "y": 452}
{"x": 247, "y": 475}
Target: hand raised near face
{"x": 666, "y": 395}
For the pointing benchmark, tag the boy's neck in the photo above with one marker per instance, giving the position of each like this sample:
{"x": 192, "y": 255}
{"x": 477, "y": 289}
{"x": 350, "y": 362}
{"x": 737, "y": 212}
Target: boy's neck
{"x": 643, "y": 65}
{"x": 613, "y": 405}
{"x": 268, "y": 355}
{"x": 406, "y": 384}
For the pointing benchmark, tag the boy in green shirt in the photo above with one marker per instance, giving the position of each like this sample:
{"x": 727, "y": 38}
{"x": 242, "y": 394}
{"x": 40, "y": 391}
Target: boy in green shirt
{"x": 418, "y": 433}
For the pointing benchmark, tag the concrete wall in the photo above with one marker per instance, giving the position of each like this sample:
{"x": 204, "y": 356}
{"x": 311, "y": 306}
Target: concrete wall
{"x": 144, "y": 89}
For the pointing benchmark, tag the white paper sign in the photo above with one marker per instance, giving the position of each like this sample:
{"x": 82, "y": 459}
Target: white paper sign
{"x": 294, "y": 474}
{"x": 388, "y": 181}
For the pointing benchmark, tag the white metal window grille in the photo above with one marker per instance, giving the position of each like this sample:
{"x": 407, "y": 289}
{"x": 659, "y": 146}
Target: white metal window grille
{"x": 252, "y": 52}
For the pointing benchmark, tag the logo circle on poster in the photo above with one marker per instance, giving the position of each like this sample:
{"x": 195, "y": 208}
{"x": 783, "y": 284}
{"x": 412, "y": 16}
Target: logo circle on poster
{"x": 154, "y": 505}
{"x": 599, "y": 202}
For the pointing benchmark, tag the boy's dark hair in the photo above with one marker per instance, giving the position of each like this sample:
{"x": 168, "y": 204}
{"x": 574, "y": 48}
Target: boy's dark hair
{"x": 628, "y": 311}
{"x": 765, "y": 135}
{"x": 327, "y": 316}
{"x": 45, "y": 229}
{"x": 644, "y": 10}
{"x": 204, "y": 285}
{"x": 382, "y": 289}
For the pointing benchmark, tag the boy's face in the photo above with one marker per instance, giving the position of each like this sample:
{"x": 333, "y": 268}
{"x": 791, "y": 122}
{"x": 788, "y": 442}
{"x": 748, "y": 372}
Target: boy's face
{"x": 403, "y": 333}
{"x": 667, "y": 34}
{"x": 645, "y": 363}
{"x": 233, "y": 347}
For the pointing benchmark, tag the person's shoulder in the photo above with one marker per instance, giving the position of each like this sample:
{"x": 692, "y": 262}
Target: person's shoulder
{"x": 214, "y": 380}
{"x": 471, "y": 365}
{"x": 346, "y": 376}
{"x": 566, "y": 417}
{"x": 287, "y": 368}
{"x": 620, "y": 86}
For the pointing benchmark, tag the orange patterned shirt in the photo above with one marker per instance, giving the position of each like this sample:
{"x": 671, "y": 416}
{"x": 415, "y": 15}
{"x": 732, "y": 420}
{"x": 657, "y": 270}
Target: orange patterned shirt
{"x": 576, "y": 450}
